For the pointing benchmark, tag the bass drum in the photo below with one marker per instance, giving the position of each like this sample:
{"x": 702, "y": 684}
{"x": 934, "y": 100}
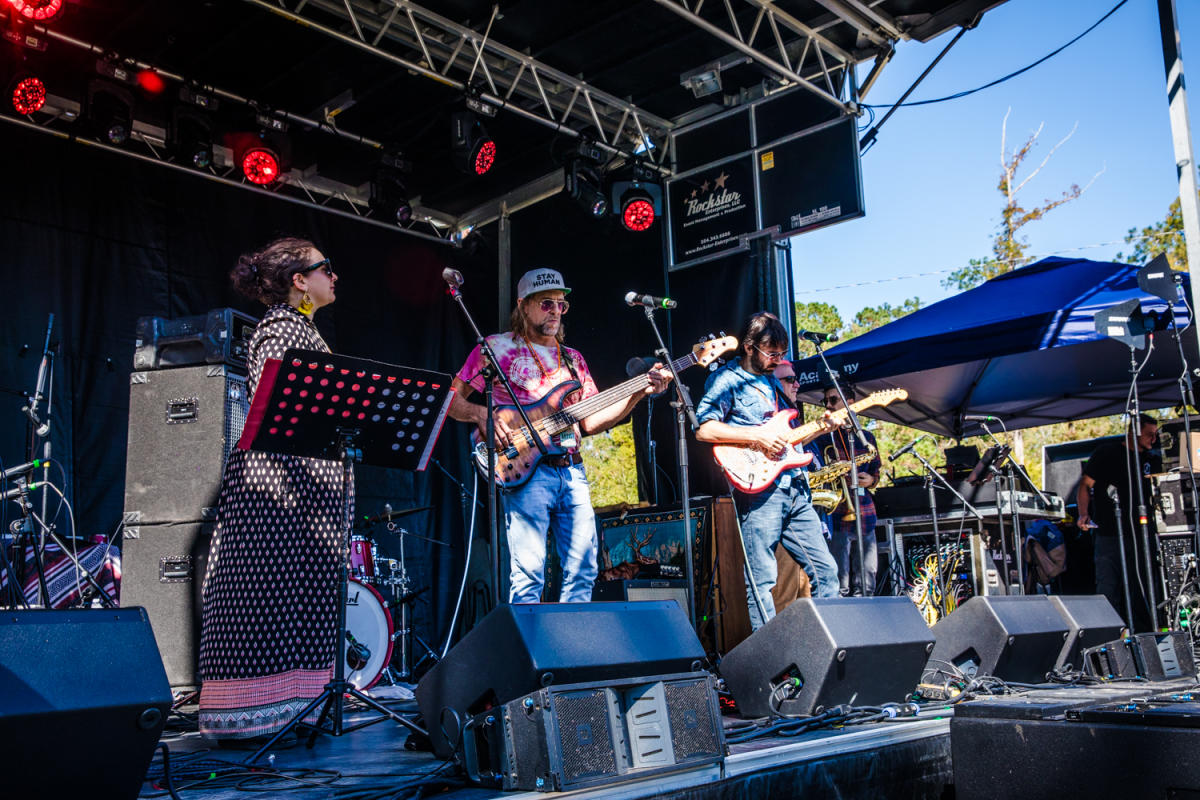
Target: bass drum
{"x": 369, "y": 622}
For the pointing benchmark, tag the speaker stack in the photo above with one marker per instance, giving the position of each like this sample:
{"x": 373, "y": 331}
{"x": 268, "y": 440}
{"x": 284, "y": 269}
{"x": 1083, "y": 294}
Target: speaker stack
{"x": 561, "y": 696}
{"x": 187, "y": 405}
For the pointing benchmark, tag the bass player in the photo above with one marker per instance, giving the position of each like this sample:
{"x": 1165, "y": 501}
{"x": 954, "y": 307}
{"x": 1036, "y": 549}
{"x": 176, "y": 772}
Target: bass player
{"x": 737, "y": 400}
{"x": 556, "y": 496}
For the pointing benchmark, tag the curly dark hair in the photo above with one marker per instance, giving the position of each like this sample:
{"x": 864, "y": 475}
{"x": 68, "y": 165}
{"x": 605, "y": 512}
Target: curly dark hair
{"x": 266, "y": 274}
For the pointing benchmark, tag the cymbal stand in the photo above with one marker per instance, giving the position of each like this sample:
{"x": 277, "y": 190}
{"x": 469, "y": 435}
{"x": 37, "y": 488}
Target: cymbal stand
{"x": 403, "y": 598}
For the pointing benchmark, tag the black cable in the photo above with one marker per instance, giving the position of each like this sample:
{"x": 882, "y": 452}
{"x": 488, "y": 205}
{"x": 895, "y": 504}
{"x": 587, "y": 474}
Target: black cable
{"x": 1007, "y": 77}
{"x": 166, "y": 764}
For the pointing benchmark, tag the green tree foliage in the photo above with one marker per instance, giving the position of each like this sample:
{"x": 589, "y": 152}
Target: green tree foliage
{"x": 611, "y": 464}
{"x": 817, "y": 317}
{"x": 872, "y": 317}
{"x": 1165, "y": 236}
{"x": 1009, "y": 249}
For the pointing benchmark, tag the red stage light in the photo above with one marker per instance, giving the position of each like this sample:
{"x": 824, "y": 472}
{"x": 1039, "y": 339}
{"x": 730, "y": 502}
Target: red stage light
{"x": 638, "y": 214}
{"x": 260, "y": 166}
{"x": 29, "y": 95}
{"x": 151, "y": 81}
{"x": 485, "y": 156}
{"x": 40, "y": 10}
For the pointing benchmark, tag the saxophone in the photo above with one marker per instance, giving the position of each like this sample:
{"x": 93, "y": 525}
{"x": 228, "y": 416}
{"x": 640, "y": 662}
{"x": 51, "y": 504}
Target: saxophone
{"x": 828, "y": 483}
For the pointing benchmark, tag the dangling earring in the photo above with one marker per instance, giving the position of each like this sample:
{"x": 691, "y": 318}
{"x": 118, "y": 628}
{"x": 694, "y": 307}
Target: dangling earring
{"x": 306, "y": 305}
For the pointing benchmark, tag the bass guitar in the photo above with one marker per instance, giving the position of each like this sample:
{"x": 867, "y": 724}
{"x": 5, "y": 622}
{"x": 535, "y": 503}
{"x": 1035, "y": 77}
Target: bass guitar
{"x": 516, "y": 463}
{"x": 751, "y": 470}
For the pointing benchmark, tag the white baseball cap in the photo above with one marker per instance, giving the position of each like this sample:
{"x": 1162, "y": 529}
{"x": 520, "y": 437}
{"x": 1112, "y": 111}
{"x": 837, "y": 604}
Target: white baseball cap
{"x": 540, "y": 280}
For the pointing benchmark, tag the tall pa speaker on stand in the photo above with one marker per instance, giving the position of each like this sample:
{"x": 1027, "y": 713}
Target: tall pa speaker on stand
{"x": 818, "y": 653}
{"x": 518, "y": 649}
{"x": 83, "y": 700}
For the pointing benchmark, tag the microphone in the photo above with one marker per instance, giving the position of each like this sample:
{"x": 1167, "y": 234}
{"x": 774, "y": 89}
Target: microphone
{"x": 22, "y": 469}
{"x": 906, "y": 449}
{"x": 649, "y": 300}
{"x": 452, "y": 276}
{"x": 980, "y": 418}
{"x": 816, "y": 337}
{"x": 357, "y": 654}
{"x": 17, "y": 491}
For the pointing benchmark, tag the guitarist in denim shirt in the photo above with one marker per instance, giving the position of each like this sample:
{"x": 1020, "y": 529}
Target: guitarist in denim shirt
{"x": 556, "y": 496}
{"x": 737, "y": 400}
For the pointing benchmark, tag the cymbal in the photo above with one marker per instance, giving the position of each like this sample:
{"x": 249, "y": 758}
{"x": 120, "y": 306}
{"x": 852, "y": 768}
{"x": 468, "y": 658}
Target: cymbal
{"x": 387, "y": 514}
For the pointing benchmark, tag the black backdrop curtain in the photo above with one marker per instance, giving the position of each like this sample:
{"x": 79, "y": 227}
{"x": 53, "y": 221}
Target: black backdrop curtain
{"x": 101, "y": 239}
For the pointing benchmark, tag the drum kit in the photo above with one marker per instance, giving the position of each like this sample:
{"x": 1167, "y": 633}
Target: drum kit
{"x": 379, "y": 609}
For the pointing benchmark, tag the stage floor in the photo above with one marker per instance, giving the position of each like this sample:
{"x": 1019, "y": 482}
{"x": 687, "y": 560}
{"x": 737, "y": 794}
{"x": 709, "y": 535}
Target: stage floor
{"x": 904, "y": 758}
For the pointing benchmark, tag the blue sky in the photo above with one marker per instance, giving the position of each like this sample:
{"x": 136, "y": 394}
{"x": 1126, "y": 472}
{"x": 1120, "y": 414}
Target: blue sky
{"x": 930, "y": 180}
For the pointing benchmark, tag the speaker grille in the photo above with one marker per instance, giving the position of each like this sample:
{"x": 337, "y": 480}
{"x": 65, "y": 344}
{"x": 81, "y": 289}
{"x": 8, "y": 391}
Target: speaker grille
{"x": 693, "y": 729}
{"x": 585, "y": 736}
{"x": 237, "y": 408}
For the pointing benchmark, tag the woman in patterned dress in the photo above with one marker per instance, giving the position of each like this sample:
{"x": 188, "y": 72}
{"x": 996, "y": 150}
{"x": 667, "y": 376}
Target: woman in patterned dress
{"x": 270, "y": 597}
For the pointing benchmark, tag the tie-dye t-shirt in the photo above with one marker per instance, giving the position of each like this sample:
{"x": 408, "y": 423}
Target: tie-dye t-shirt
{"x": 532, "y": 369}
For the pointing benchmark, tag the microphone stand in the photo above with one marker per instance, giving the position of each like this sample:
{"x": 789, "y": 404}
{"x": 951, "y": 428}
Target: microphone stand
{"x": 1115, "y": 496}
{"x": 1135, "y": 423}
{"x": 861, "y": 437}
{"x": 1187, "y": 394}
{"x": 1010, "y": 470}
{"x": 490, "y": 372}
{"x": 37, "y": 428}
{"x": 685, "y": 412}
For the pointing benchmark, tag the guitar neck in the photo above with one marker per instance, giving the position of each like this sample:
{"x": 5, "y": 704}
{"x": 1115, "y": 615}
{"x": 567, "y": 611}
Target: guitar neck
{"x": 839, "y": 418}
{"x": 569, "y": 416}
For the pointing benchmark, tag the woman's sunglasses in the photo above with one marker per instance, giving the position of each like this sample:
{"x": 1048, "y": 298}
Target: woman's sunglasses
{"x": 325, "y": 264}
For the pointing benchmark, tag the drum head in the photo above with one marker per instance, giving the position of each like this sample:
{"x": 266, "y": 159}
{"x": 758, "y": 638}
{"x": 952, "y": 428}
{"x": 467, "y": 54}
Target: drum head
{"x": 370, "y": 623}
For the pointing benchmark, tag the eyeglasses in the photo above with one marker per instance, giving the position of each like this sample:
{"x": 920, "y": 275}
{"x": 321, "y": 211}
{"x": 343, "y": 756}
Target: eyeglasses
{"x": 771, "y": 356}
{"x": 548, "y": 305}
{"x": 788, "y": 378}
{"x": 830, "y": 401}
{"x": 325, "y": 265}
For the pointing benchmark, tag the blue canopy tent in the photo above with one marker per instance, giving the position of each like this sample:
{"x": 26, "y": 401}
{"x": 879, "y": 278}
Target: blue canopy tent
{"x": 1022, "y": 346}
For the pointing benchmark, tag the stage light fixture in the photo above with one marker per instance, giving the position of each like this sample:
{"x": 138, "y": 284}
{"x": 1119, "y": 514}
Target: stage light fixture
{"x": 28, "y": 94}
{"x": 637, "y": 209}
{"x": 473, "y": 151}
{"x": 190, "y": 137}
{"x": 110, "y": 111}
{"x": 389, "y": 198}
{"x": 260, "y": 165}
{"x": 583, "y": 186}
{"x": 37, "y": 10}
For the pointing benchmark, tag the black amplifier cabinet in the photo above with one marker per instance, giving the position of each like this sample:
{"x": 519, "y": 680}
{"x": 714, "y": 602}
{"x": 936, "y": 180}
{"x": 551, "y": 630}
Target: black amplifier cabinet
{"x": 1176, "y": 551}
{"x": 589, "y": 734}
{"x": 222, "y": 336}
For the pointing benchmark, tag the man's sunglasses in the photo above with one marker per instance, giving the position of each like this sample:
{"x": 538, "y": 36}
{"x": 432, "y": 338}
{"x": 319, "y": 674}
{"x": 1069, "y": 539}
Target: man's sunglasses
{"x": 548, "y": 305}
{"x": 771, "y": 356}
{"x": 830, "y": 401}
{"x": 789, "y": 378}
{"x": 324, "y": 264}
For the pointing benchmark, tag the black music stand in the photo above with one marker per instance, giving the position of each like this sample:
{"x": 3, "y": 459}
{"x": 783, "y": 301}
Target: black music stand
{"x": 338, "y": 408}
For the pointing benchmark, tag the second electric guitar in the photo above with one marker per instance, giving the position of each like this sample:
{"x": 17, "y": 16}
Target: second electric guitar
{"x": 751, "y": 470}
{"x": 516, "y": 463}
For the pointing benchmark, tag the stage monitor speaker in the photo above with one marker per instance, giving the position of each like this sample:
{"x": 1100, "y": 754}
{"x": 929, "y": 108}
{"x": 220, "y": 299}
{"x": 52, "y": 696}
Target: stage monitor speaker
{"x": 183, "y": 423}
{"x": 1148, "y": 656}
{"x": 819, "y": 653}
{"x": 162, "y": 570}
{"x": 1014, "y": 638}
{"x": 518, "y": 649}
{"x": 1090, "y": 620}
{"x": 83, "y": 700}
{"x": 571, "y": 737}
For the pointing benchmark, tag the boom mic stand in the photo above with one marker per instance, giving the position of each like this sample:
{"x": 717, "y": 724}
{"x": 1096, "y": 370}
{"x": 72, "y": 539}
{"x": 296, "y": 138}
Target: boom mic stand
{"x": 1011, "y": 469}
{"x": 454, "y": 280}
{"x": 853, "y": 488}
{"x": 684, "y": 412}
{"x": 1135, "y": 413}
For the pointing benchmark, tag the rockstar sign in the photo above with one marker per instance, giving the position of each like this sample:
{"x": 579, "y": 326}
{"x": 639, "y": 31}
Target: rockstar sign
{"x": 711, "y": 208}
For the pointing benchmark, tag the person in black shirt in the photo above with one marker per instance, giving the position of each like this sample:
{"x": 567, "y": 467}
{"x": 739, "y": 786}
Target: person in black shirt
{"x": 1110, "y": 466}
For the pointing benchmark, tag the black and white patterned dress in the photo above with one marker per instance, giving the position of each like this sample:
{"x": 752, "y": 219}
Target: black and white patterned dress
{"x": 270, "y": 597}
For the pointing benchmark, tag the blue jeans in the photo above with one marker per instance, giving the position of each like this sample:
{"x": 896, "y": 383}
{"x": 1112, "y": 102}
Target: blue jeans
{"x": 844, "y": 544}
{"x": 783, "y": 515}
{"x": 554, "y": 499}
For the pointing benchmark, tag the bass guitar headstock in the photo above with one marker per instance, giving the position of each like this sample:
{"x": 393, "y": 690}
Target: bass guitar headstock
{"x": 709, "y": 350}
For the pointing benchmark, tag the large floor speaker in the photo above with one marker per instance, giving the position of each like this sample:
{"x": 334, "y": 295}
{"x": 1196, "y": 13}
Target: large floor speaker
{"x": 570, "y": 737}
{"x": 83, "y": 700}
{"x": 1013, "y": 638}
{"x": 518, "y": 649}
{"x": 818, "y": 653}
{"x": 162, "y": 569}
{"x": 1091, "y": 620}
{"x": 182, "y": 425}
